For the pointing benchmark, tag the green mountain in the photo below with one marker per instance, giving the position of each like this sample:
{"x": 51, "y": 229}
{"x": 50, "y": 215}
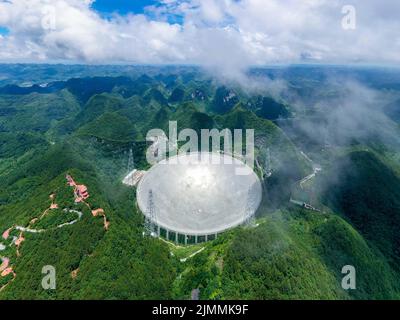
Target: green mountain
{"x": 367, "y": 193}
{"x": 87, "y": 127}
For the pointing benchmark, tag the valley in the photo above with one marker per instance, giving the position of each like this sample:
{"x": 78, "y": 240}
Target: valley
{"x": 68, "y": 151}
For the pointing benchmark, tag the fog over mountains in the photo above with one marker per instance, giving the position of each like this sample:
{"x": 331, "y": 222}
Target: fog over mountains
{"x": 326, "y": 141}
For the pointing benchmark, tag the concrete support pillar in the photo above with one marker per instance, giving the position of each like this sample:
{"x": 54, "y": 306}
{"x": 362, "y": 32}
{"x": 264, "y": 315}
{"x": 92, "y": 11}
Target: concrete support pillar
{"x": 176, "y": 237}
{"x": 186, "y": 239}
{"x": 167, "y": 235}
{"x": 206, "y": 237}
{"x": 196, "y": 239}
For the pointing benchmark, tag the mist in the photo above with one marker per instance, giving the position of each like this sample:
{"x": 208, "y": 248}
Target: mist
{"x": 342, "y": 112}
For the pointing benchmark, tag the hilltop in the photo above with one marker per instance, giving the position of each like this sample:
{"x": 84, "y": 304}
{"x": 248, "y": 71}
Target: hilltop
{"x": 86, "y": 127}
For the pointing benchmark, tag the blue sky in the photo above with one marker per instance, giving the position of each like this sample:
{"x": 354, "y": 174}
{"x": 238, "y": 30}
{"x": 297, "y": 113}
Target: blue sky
{"x": 228, "y": 34}
{"x": 3, "y": 31}
{"x": 106, "y": 7}
{"x": 122, "y": 6}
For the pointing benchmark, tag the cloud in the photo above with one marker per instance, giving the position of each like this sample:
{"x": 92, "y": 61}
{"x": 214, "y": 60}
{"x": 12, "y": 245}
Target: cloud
{"x": 346, "y": 111}
{"x": 226, "y": 35}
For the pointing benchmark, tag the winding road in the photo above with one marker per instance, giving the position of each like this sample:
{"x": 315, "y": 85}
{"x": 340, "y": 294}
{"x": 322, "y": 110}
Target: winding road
{"x": 6, "y": 267}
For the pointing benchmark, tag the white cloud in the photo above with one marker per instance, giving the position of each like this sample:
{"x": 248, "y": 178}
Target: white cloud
{"x": 230, "y": 34}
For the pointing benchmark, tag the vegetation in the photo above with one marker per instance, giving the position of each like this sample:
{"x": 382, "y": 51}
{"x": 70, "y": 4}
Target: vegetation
{"x": 367, "y": 193}
{"x": 87, "y": 126}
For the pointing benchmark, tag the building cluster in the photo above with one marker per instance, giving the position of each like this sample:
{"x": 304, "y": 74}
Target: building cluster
{"x": 80, "y": 191}
{"x": 81, "y": 194}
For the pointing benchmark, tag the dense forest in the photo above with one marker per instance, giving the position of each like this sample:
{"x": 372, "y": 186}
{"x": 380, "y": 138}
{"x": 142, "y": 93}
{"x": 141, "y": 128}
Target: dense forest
{"x": 86, "y": 127}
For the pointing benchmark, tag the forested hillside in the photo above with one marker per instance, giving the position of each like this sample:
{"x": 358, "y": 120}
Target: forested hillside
{"x": 86, "y": 127}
